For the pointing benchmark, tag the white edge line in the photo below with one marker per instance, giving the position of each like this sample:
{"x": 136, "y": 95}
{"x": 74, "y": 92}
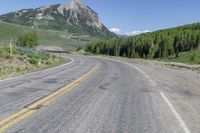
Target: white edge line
{"x": 39, "y": 71}
{"x": 179, "y": 119}
{"x": 175, "y": 113}
{"x": 154, "y": 84}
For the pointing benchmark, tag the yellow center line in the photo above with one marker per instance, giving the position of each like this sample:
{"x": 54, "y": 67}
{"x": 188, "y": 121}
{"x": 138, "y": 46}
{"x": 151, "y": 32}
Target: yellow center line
{"x": 24, "y": 113}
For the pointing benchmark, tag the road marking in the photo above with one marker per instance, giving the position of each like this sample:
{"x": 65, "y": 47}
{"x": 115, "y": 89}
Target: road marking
{"x": 24, "y": 113}
{"x": 173, "y": 110}
{"x": 147, "y": 76}
{"x": 119, "y": 61}
{"x": 179, "y": 119}
{"x": 175, "y": 113}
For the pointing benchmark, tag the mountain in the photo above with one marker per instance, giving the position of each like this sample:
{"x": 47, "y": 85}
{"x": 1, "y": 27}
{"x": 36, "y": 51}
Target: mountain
{"x": 74, "y": 17}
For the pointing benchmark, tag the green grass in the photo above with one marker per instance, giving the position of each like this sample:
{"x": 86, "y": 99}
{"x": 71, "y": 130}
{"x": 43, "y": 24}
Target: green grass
{"x": 190, "y": 57}
{"x": 46, "y": 37}
{"x": 24, "y": 60}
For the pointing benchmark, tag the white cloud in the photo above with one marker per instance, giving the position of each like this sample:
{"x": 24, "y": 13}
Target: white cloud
{"x": 115, "y": 30}
{"x": 132, "y": 33}
{"x": 137, "y": 32}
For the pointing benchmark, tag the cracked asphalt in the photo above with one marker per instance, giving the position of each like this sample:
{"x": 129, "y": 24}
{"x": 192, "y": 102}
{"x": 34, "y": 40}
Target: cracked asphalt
{"x": 117, "y": 98}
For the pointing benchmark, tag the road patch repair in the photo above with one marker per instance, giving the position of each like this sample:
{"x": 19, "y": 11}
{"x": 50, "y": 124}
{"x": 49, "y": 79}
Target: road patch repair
{"x": 33, "y": 107}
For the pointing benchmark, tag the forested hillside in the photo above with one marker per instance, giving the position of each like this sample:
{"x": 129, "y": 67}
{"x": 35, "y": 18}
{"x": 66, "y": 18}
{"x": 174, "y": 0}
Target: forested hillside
{"x": 157, "y": 44}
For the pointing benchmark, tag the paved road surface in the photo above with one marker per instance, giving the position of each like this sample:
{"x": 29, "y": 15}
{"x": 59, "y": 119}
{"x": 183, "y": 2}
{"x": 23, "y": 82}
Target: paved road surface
{"x": 116, "y": 97}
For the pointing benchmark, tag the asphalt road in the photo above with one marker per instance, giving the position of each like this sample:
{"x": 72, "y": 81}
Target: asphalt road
{"x": 115, "y": 97}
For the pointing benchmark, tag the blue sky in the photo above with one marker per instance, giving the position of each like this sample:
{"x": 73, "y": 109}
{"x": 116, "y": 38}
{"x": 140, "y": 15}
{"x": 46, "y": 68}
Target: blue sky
{"x": 128, "y": 16}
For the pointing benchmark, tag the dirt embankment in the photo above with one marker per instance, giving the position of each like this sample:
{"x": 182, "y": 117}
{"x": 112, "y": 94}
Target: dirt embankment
{"x": 172, "y": 64}
{"x": 168, "y": 64}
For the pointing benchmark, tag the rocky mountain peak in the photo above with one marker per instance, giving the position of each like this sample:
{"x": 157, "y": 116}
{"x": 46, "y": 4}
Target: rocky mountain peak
{"x": 74, "y": 16}
{"x": 76, "y": 12}
{"x": 76, "y": 2}
{"x": 72, "y": 5}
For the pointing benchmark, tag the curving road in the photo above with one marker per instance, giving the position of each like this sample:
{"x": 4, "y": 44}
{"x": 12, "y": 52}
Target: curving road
{"x": 98, "y": 95}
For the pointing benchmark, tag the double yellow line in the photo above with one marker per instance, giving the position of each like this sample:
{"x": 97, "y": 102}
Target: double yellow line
{"x": 24, "y": 113}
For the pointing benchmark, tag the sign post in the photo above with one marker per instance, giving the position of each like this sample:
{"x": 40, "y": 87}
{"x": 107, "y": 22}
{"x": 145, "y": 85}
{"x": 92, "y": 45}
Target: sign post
{"x": 10, "y": 48}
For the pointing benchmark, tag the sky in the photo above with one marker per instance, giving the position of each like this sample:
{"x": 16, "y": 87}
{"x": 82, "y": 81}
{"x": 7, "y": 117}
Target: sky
{"x": 128, "y": 17}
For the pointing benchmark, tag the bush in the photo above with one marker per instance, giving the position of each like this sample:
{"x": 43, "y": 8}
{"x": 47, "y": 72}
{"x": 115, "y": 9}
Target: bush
{"x": 44, "y": 56}
{"x": 33, "y": 61}
{"x": 192, "y": 58}
{"x": 79, "y": 48}
{"x": 4, "y": 53}
{"x": 29, "y": 39}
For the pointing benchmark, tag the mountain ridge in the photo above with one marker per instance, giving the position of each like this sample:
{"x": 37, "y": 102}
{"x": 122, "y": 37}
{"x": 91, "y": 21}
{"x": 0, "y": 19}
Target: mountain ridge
{"x": 74, "y": 17}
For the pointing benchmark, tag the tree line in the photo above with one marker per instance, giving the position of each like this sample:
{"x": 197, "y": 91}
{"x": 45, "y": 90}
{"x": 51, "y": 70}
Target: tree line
{"x": 157, "y": 44}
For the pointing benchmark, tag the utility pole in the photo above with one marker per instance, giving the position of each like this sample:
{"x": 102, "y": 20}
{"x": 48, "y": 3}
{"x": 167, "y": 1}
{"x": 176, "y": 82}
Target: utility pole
{"x": 10, "y": 48}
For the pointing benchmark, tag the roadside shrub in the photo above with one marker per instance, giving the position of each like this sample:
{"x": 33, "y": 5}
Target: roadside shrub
{"x": 79, "y": 48}
{"x": 4, "y": 53}
{"x": 8, "y": 56}
{"x": 48, "y": 62}
{"x": 33, "y": 61}
{"x": 18, "y": 69}
{"x": 87, "y": 53}
{"x": 1, "y": 52}
{"x": 45, "y": 56}
{"x": 29, "y": 39}
{"x": 192, "y": 58}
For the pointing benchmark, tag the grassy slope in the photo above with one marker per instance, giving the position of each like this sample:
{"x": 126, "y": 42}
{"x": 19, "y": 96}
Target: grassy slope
{"x": 25, "y": 60}
{"x": 46, "y": 37}
{"x": 190, "y": 57}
